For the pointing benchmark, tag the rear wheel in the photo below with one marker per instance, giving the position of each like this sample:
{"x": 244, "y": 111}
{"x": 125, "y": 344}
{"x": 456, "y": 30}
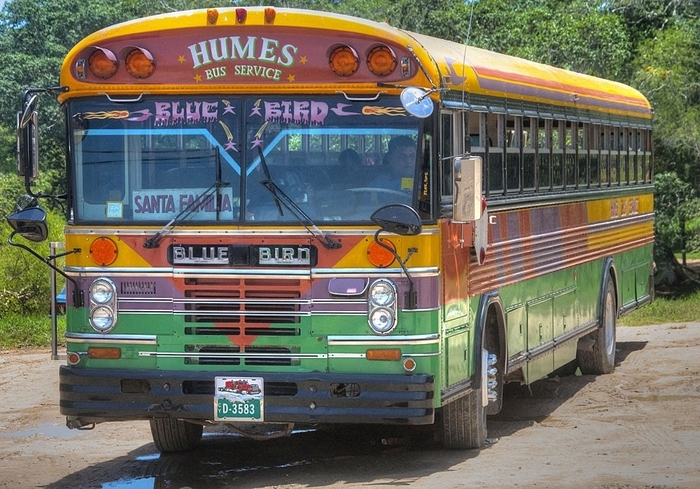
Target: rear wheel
{"x": 600, "y": 359}
{"x": 175, "y": 435}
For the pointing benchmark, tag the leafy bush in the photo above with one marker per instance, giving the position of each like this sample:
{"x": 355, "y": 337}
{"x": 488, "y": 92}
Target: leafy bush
{"x": 676, "y": 223}
{"x": 25, "y": 280}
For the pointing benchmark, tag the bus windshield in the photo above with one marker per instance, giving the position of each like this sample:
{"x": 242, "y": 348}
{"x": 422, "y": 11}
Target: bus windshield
{"x": 225, "y": 159}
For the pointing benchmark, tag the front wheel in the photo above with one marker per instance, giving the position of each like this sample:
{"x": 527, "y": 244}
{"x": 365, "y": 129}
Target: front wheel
{"x": 464, "y": 419}
{"x": 175, "y": 435}
{"x": 600, "y": 359}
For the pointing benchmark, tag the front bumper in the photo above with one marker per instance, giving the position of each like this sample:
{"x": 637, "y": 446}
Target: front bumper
{"x": 93, "y": 396}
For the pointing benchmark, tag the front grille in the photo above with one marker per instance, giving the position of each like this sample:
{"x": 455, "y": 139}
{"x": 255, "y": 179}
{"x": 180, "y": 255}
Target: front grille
{"x": 243, "y": 310}
{"x": 242, "y": 301}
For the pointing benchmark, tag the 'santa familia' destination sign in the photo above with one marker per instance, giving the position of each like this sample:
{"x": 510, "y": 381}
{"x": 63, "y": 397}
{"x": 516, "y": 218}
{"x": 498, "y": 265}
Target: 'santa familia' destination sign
{"x": 166, "y": 204}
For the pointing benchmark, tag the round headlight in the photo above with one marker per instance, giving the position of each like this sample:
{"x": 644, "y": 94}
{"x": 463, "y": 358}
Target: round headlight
{"x": 382, "y": 293}
{"x": 102, "y": 291}
{"x": 382, "y": 320}
{"x": 102, "y": 319}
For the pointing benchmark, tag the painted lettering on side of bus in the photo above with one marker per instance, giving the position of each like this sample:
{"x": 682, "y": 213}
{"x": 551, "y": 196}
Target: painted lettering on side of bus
{"x": 624, "y": 207}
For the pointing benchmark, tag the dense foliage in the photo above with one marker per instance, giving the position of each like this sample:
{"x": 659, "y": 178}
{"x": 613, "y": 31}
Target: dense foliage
{"x": 649, "y": 44}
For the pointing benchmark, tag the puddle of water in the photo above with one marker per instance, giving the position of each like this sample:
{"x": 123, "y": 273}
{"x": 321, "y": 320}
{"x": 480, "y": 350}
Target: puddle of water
{"x": 150, "y": 456}
{"x": 47, "y": 430}
{"x": 146, "y": 483}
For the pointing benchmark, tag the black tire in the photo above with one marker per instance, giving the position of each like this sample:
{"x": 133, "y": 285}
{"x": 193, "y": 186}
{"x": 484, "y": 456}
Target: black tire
{"x": 175, "y": 435}
{"x": 464, "y": 421}
{"x": 600, "y": 359}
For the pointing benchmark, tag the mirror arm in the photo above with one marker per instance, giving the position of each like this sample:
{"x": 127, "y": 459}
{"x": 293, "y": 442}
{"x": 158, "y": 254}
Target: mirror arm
{"x": 411, "y": 298}
{"x": 48, "y": 261}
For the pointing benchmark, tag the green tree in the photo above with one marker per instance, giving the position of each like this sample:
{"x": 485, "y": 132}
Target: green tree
{"x": 578, "y": 35}
{"x": 669, "y": 74}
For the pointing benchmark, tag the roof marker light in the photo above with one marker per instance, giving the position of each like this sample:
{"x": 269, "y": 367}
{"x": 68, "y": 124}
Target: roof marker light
{"x": 241, "y": 15}
{"x": 381, "y": 60}
{"x": 344, "y": 60}
{"x": 212, "y": 16}
{"x": 270, "y": 15}
{"x": 140, "y": 63}
{"x": 103, "y": 63}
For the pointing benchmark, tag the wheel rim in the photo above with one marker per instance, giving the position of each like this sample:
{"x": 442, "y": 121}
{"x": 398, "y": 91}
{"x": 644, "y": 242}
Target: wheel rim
{"x": 609, "y": 323}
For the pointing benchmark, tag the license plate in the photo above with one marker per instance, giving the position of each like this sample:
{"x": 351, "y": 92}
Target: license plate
{"x": 239, "y": 399}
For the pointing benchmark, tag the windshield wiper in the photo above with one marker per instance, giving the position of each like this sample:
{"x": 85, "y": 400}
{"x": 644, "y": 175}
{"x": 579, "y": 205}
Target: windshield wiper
{"x": 154, "y": 241}
{"x": 294, "y": 208}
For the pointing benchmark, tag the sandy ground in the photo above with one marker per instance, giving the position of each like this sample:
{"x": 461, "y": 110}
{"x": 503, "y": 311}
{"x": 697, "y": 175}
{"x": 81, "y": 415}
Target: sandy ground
{"x": 636, "y": 428}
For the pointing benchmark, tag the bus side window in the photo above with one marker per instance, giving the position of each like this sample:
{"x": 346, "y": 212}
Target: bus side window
{"x": 495, "y": 133}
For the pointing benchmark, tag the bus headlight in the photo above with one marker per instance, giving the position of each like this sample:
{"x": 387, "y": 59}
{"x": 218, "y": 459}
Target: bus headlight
{"x": 382, "y": 293}
{"x": 103, "y": 305}
{"x": 381, "y": 315}
{"x": 382, "y": 320}
{"x": 102, "y": 291}
{"x": 102, "y": 319}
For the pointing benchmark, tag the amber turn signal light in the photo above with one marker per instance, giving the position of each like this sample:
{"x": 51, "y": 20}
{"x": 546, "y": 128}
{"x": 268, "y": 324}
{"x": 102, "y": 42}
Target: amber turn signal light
{"x": 392, "y": 355}
{"x": 103, "y": 251}
{"x": 378, "y": 255}
{"x": 104, "y": 353}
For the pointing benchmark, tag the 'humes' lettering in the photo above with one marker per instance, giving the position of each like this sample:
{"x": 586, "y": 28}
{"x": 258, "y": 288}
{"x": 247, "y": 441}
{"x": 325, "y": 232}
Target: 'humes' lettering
{"x": 242, "y": 48}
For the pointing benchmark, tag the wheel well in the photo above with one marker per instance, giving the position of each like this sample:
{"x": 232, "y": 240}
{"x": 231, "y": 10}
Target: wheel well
{"x": 495, "y": 330}
{"x": 490, "y": 331}
{"x": 611, "y": 270}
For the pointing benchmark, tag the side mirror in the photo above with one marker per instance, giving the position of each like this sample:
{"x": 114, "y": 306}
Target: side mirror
{"x": 28, "y": 139}
{"x": 30, "y": 223}
{"x": 467, "y": 202}
{"x": 417, "y": 102}
{"x": 398, "y": 219}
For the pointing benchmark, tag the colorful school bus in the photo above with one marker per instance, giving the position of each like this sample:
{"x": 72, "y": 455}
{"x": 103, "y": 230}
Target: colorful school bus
{"x": 280, "y": 217}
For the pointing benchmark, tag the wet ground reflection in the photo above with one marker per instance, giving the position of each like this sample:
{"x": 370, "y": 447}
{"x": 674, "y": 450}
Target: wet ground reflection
{"x": 228, "y": 460}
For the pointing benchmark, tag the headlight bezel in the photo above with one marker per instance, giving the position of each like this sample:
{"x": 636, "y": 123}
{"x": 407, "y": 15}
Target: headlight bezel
{"x": 102, "y": 291}
{"x": 103, "y": 305}
{"x": 381, "y": 300}
{"x": 102, "y": 313}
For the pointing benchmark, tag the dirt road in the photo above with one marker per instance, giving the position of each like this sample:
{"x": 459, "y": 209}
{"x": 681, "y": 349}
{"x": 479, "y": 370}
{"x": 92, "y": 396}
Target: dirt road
{"x": 636, "y": 428}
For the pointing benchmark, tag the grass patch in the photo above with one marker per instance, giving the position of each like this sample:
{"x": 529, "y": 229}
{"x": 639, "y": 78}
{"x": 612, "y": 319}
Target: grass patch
{"x": 22, "y": 331}
{"x": 677, "y": 308}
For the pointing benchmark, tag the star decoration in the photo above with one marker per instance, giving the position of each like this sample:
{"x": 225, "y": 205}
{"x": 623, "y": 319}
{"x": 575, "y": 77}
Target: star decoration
{"x": 181, "y": 59}
{"x": 257, "y": 142}
{"x": 231, "y": 146}
{"x": 255, "y": 111}
{"x": 303, "y": 60}
{"x": 291, "y": 78}
{"x": 198, "y": 78}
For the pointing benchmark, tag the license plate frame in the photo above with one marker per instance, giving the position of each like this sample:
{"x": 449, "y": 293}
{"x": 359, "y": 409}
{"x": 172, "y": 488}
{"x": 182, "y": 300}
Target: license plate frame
{"x": 239, "y": 399}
